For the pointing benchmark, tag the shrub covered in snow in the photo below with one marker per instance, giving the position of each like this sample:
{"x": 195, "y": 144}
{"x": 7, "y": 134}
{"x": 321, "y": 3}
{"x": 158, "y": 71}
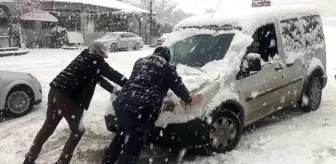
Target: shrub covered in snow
{"x": 60, "y": 36}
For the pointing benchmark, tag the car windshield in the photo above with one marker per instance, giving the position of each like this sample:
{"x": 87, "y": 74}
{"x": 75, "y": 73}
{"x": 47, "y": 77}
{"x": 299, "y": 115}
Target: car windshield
{"x": 110, "y": 35}
{"x": 200, "y": 49}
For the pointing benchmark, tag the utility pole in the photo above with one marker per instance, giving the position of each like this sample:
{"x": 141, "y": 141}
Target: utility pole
{"x": 53, "y": 6}
{"x": 151, "y": 20}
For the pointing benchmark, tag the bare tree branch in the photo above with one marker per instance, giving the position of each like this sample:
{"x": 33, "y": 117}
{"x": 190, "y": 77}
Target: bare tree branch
{"x": 164, "y": 9}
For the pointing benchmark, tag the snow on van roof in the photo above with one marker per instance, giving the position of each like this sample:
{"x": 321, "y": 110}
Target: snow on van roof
{"x": 247, "y": 18}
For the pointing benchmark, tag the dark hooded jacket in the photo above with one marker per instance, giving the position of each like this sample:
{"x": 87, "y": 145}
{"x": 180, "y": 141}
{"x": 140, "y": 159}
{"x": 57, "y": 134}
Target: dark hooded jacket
{"x": 78, "y": 80}
{"x": 149, "y": 83}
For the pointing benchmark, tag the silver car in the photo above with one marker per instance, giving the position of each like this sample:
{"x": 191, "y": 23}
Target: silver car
{"x": 19, "y": 92}
{"x": 115, "y": 41}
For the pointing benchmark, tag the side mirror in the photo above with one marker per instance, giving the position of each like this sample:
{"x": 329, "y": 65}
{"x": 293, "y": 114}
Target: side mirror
{"x": 253, "y": 62}
{"x": 119, "y": 37}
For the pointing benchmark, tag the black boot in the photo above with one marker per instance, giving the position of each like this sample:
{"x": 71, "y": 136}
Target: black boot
{"x": 30, "y": 159}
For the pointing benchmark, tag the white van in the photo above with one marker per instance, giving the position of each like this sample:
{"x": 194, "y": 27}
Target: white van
{"x": 247, "y": 66}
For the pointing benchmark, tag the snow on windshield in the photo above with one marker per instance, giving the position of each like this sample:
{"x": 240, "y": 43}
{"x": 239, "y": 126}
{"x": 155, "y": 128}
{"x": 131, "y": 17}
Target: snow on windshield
{"x": 184, "y": 33}
{"x": 218, "y": 77}
{"x": 198, "y": 50}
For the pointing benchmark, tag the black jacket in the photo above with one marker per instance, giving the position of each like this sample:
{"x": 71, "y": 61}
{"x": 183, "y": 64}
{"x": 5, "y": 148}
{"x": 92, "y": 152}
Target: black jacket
{"x": 149, "y": 83}
{"x": 78, "y": 80}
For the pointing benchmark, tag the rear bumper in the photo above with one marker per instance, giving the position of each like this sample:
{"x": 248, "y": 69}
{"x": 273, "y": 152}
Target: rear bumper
{"x": 325, "y": 81}
{"x": 192, "y": 134}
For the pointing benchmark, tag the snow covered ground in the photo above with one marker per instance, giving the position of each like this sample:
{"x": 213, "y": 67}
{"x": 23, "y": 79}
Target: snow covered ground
{"x": 288, "y": 137}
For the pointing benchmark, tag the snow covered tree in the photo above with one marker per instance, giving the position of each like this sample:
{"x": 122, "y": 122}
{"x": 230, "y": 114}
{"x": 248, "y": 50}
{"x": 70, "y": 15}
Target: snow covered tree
{"x": 209, "y": 11}
{"x": 178, "y": 15}
{"x": 165, "y": 10}
{"x": 24, "y": 6}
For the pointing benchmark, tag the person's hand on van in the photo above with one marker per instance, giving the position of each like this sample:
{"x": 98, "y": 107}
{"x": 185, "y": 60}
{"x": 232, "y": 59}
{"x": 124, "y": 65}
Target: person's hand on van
{"x": 197, "y": 99}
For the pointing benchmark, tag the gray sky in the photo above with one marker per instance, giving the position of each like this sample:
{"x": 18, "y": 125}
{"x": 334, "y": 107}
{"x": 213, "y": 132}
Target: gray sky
{"x": 196, "y": 6}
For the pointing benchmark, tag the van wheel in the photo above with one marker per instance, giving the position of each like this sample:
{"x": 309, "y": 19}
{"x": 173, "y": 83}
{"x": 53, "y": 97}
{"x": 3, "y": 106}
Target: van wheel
{"x": 19, "y": 101}
{"x": 225, "y": 132}
{"x": 313, "y": 95}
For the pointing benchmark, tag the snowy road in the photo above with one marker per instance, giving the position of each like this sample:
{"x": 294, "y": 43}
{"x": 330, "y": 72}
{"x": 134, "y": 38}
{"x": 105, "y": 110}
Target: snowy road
{"x": 289, "y": 137}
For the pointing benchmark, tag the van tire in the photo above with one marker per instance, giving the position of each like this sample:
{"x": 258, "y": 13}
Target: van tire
{"x": 311, "y": 100}
{"x": 233, "y": 126}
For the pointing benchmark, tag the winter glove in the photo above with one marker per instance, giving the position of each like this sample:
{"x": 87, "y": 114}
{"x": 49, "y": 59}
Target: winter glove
{"x": 116, "y": 91}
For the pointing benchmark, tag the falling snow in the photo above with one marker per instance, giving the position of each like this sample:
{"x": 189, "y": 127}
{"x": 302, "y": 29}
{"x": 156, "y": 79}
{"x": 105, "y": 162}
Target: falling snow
{"x": 294, "y": 140}
{"x": 305, "y": 100}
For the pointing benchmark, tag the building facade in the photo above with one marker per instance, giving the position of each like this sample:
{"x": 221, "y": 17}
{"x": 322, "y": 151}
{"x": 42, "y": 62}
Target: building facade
{"x": 44, "y": 18}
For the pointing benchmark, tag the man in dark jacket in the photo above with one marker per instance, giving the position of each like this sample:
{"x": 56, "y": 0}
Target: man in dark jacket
{"x": 70, "y": 93}
{"x": 141, "y": 99}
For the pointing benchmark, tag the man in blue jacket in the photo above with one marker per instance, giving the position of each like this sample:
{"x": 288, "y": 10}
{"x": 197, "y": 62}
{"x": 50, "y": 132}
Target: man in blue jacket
{"x": 139, "y": 100}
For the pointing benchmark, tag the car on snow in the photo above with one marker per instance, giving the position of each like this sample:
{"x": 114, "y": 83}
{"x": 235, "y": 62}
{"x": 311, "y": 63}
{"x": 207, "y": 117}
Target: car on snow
{"x": 162, "y": 39}
{"x": 115, "y": 41}
{"x": 246, "y": 66}
{"x": 19, "y": 92}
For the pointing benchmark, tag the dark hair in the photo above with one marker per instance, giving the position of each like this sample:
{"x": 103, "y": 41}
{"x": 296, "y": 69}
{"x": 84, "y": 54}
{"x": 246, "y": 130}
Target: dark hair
{"x": 163, "y": 52}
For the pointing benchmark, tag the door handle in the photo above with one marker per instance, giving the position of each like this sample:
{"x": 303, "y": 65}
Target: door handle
{"x": 278, "y": 67}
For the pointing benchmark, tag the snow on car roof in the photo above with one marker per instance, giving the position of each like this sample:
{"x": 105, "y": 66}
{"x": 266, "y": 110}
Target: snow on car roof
{"x": 248, "y": 18}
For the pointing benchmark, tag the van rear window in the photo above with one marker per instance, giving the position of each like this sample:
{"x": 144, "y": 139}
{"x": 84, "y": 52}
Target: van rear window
{"x": 292, "y": 35}
{"x": 312, "y": 27}
{"x": 302, "y": 35}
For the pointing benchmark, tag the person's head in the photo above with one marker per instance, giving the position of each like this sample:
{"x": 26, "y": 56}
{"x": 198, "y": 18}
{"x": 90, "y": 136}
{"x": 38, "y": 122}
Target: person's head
{"x": 97, "y": 48}
{"x": 163, "y": 52}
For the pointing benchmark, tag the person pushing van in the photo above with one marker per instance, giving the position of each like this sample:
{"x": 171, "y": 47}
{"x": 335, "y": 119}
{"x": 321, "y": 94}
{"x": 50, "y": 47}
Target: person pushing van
{"x": 70, "y": 94}
{"x": 139, "y": 100}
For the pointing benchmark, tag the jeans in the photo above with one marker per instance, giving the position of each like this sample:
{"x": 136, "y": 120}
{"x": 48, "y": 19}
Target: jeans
{"x": 59, "y": 106}
{"x": 127, "y": 145}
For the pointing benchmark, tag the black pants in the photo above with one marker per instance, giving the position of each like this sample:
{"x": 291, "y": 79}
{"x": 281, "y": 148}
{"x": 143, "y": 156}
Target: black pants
{"x": 127, "y": 145}
{"x": 59, "y": 106}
